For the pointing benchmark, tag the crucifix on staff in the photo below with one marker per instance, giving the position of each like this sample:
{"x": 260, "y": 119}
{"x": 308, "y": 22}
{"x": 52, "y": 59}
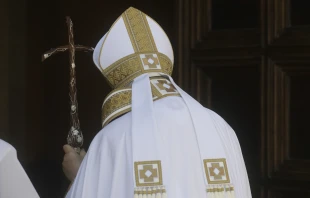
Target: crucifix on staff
{"x": 75, "y": 135}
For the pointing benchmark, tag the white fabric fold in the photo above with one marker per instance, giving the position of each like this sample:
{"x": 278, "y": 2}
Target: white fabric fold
{"x": 210, "y": 144}
{"x": 143, "y": 133}
{"x": 14, "y": 182}
{"x": 182, "y": 135}
{"x": 217, "y": 140}
{"x": 143, "y": 121}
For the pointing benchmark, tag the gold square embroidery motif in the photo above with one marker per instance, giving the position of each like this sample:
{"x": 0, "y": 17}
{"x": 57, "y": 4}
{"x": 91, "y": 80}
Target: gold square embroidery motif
{"x": 150, "y": 61}
{"x": 148, "y": 173}
{"x": 216, "y": 171}
{"x": 164, "y": 86}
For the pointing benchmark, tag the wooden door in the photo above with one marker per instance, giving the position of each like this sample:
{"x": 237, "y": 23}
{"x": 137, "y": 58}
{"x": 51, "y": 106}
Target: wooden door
{"x": 250, "y": 62}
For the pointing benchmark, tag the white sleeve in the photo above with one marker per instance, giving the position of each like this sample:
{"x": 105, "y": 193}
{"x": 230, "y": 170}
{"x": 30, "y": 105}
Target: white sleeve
{"x": 14, "y": 182}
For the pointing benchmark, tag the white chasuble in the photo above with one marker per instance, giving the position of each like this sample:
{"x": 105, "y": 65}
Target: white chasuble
{"x": 156, "y": 141}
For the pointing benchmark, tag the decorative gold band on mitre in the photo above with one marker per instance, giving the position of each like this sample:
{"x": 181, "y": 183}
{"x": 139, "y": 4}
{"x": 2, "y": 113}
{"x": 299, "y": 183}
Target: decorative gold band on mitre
{"x": 118, "y": 102}
{"x": 128, "y": 68}
{"x": 139, "y": 31}
{"x": 145, "y": 59}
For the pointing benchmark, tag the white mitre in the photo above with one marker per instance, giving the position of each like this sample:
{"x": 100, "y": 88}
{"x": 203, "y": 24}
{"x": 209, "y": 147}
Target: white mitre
{"x": 14, "y": 182}
{"x": 133, "y": 35}
{"x": 134, "y": 45}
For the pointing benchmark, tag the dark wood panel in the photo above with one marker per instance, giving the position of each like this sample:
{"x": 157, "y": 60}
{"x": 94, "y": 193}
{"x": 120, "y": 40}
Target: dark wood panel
{"x": 281, "y": 32}
{"x": 209, "y": 29}
{"x": 289, "y": 192}
{"x": 289, "y": 53}
{"x": 300, "y": 14}
{"x": 242, "y": 54}
{"x": 299, "y": 114}
{"x": 4, "y": 69}
{"x": 204, "y": 88}
{"x": 292, "y": 171}
{"x": 293, "y": 36}
{"x": 228, "y": 14}
{"x": 230, "y": 39}
{"x": 284, "y": 45}
{"x": 283, "y": 132}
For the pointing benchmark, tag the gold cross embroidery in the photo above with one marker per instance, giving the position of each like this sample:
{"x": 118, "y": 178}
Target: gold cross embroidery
{"x": 168, "y": 88}
{"x": 216, "y": 171}
{"x": 148, "y": 173}
{"x": 150, "y": 61}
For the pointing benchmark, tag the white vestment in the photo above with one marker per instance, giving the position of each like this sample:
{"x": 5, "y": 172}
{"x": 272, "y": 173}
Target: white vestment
{"x": 14, "y": 182}
{"x": 172, "y": 147}
{"x": 106, "y": 171}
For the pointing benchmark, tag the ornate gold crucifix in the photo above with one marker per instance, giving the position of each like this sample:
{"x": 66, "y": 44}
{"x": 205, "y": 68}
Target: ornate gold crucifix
{"x": 75, "y": 135}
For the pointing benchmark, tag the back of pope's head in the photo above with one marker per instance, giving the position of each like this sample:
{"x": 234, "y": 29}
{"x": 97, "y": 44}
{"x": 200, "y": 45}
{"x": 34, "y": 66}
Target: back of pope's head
{"x": 134, "y": 45}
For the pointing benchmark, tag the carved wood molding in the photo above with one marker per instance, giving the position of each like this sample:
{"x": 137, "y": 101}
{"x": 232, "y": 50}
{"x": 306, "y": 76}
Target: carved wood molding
{"x": 280, "y": 30}
{"x": 279, "y": 163}
{"x": 200, "y": 64}
{"x": 288, "y": 191}
{"x": 279, "y": 49}
{"x": 196, "y": 37}
{"x": 204, "y": 36}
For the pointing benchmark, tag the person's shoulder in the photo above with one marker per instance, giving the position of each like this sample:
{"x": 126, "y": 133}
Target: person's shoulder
{"x": 217, "y": 118}
{"x": 5, "y": 148}
{"x": 115, "y": 129}
{"x": 214, "y": 114}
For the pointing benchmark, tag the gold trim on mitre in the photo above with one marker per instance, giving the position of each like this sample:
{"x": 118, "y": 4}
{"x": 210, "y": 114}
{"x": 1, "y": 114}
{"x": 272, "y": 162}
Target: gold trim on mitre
{"x": 125, "y": 70}
{"x": 139, "y": 31}
{"x": 145, "y": 59}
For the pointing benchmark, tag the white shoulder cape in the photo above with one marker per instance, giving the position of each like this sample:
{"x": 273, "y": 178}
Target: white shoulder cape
{"x": 107, "y": 172}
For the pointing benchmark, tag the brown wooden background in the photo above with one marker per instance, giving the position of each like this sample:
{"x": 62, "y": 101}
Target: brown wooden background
{"x": 247, "y": 60}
